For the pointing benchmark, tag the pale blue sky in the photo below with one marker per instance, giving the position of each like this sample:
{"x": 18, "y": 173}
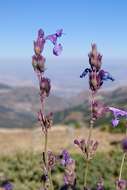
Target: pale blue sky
{"x": 83, "y": 21}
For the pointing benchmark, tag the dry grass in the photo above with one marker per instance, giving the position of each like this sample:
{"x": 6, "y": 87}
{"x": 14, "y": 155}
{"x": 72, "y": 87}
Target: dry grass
{"x": 60, "y": 137}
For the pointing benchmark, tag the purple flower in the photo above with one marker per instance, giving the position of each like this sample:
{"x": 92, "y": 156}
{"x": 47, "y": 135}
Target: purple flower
{"x": 88, "y": 147}
{"x": 115, "y": 122}
{"x": 69, "y": 175}
{"x": 100, "y": 184}
{"x": 69, "y": 164}
{"x": 39, "y": 43}
{"x": 41, "y": 39}
{"x": 53, "y": 37}
{"x": 69, "y": 178}
{"x": 94, "y": 80}
{"x": 38, "y": 63}
{"x": 45, "y": 121}
{"x": 95, "y": 58}
{"x": 77, "y": 142}
{"x": 51, "y": 160}
{"x": 121, "y": 184}
{"x": 85, "y": 72}
{"x": 45, "y": 87}
{"x": 81, "y": 144}
{"x": 40, "y": 33}
{"x": 124, "y": 145}
{"x": 59, "y": 32}
{"x": 96, "y": 76}
{"x": 98, "y": 109}
{"x": 104, "y": 75}
{"x": 66, "y": 158}
{"x": 117, "y": 115}
{"x": 57, "y": 49}
{"x": 117, "y": 112}
{"x": 7, "y": 186}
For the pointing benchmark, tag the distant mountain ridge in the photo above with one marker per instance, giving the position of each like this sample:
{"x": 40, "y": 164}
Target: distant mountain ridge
{"x": 80, "y": 112}
{"x": 19, "y": 105}
{"x": 4, "y": 86}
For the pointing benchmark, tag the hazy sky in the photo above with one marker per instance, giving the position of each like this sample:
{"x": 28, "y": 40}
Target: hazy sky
{"x": 83, "y": 21}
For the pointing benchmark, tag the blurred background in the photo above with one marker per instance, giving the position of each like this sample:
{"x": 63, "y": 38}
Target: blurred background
{"x": 84, "y": 22}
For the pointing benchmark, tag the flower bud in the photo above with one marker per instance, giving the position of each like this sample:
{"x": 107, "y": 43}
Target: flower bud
{"x": 38, "y": 63}
{"x": 45, "y": 87}
{"x": 121, "y": 184}
{"x": 95, "y": 58}
{"x": 124, "y": 145}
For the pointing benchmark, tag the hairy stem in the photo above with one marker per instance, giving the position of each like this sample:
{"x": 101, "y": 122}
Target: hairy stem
{"x": 90, "y": 129}
{"x": 89, "y": 138}
{"x": 91, "y": 119}
{"x": 45, "y": 147}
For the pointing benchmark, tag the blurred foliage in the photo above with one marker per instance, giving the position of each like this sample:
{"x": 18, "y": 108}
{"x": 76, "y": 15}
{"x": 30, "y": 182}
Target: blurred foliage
{"x": 103, "y": 123}
{"x": 73, "y": 123}
{"x": 60, "y": 117}
{"x": 121, "y": 128}
{"x": 24, "y": 171}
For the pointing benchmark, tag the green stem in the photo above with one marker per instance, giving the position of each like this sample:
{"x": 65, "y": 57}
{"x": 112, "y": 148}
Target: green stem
{"x": 51, "y": 183}
{"x": 45, "y": 156}
{"x": 123, "y": 159}
{"x": 89, "y": 138}
{"x": 121, "y": 167}
{"x": 45, "y": 151}
{"x": 90, "y": 129}
{"x": 86, "y": 173}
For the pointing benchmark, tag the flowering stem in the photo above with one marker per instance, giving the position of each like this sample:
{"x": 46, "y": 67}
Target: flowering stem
{"x": 86, "y": 173}
{"x": 90, "y": 129}
{"x": 121, "y": 167}
{"x": 51, "y": 183}
{"x": 91, "y": 120}
{"x": 45, "y": 147}
{"x": 123, "y": 159}
{"x": 89, "y": 138}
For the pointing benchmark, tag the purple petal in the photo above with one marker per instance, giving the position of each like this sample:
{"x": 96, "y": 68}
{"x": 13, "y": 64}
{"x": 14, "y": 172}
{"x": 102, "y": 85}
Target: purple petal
{"x": 124, "y": 144}
{"x": 76, "y": 142}
{"x": 115, "y": 122}
{"x": 59, "y": 32}
{"x": 57, "y": 49}
{"x": 52, "y": 38}
{"x": 8, "y": 186}
{"x": 66, "y": 158}
{"x": 104, "y": 75}
{"x": 40, "y": 33}
{"x": 118, "y": 112}
{"x": 121, "y": 184}
{"x": 65, "y": 179}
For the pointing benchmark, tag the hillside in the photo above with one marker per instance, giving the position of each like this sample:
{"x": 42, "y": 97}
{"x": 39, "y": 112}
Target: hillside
{"x": 19, "y": 106}
{"x": 80, "y": 113}
{"x": 4, "y": 87}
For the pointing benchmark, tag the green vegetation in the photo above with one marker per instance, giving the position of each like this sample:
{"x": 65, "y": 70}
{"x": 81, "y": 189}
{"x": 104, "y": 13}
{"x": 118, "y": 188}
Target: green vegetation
{"x": 121, "y": 128}
{"x": 103, "y": 123}
{"x": 24, "y": 171}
